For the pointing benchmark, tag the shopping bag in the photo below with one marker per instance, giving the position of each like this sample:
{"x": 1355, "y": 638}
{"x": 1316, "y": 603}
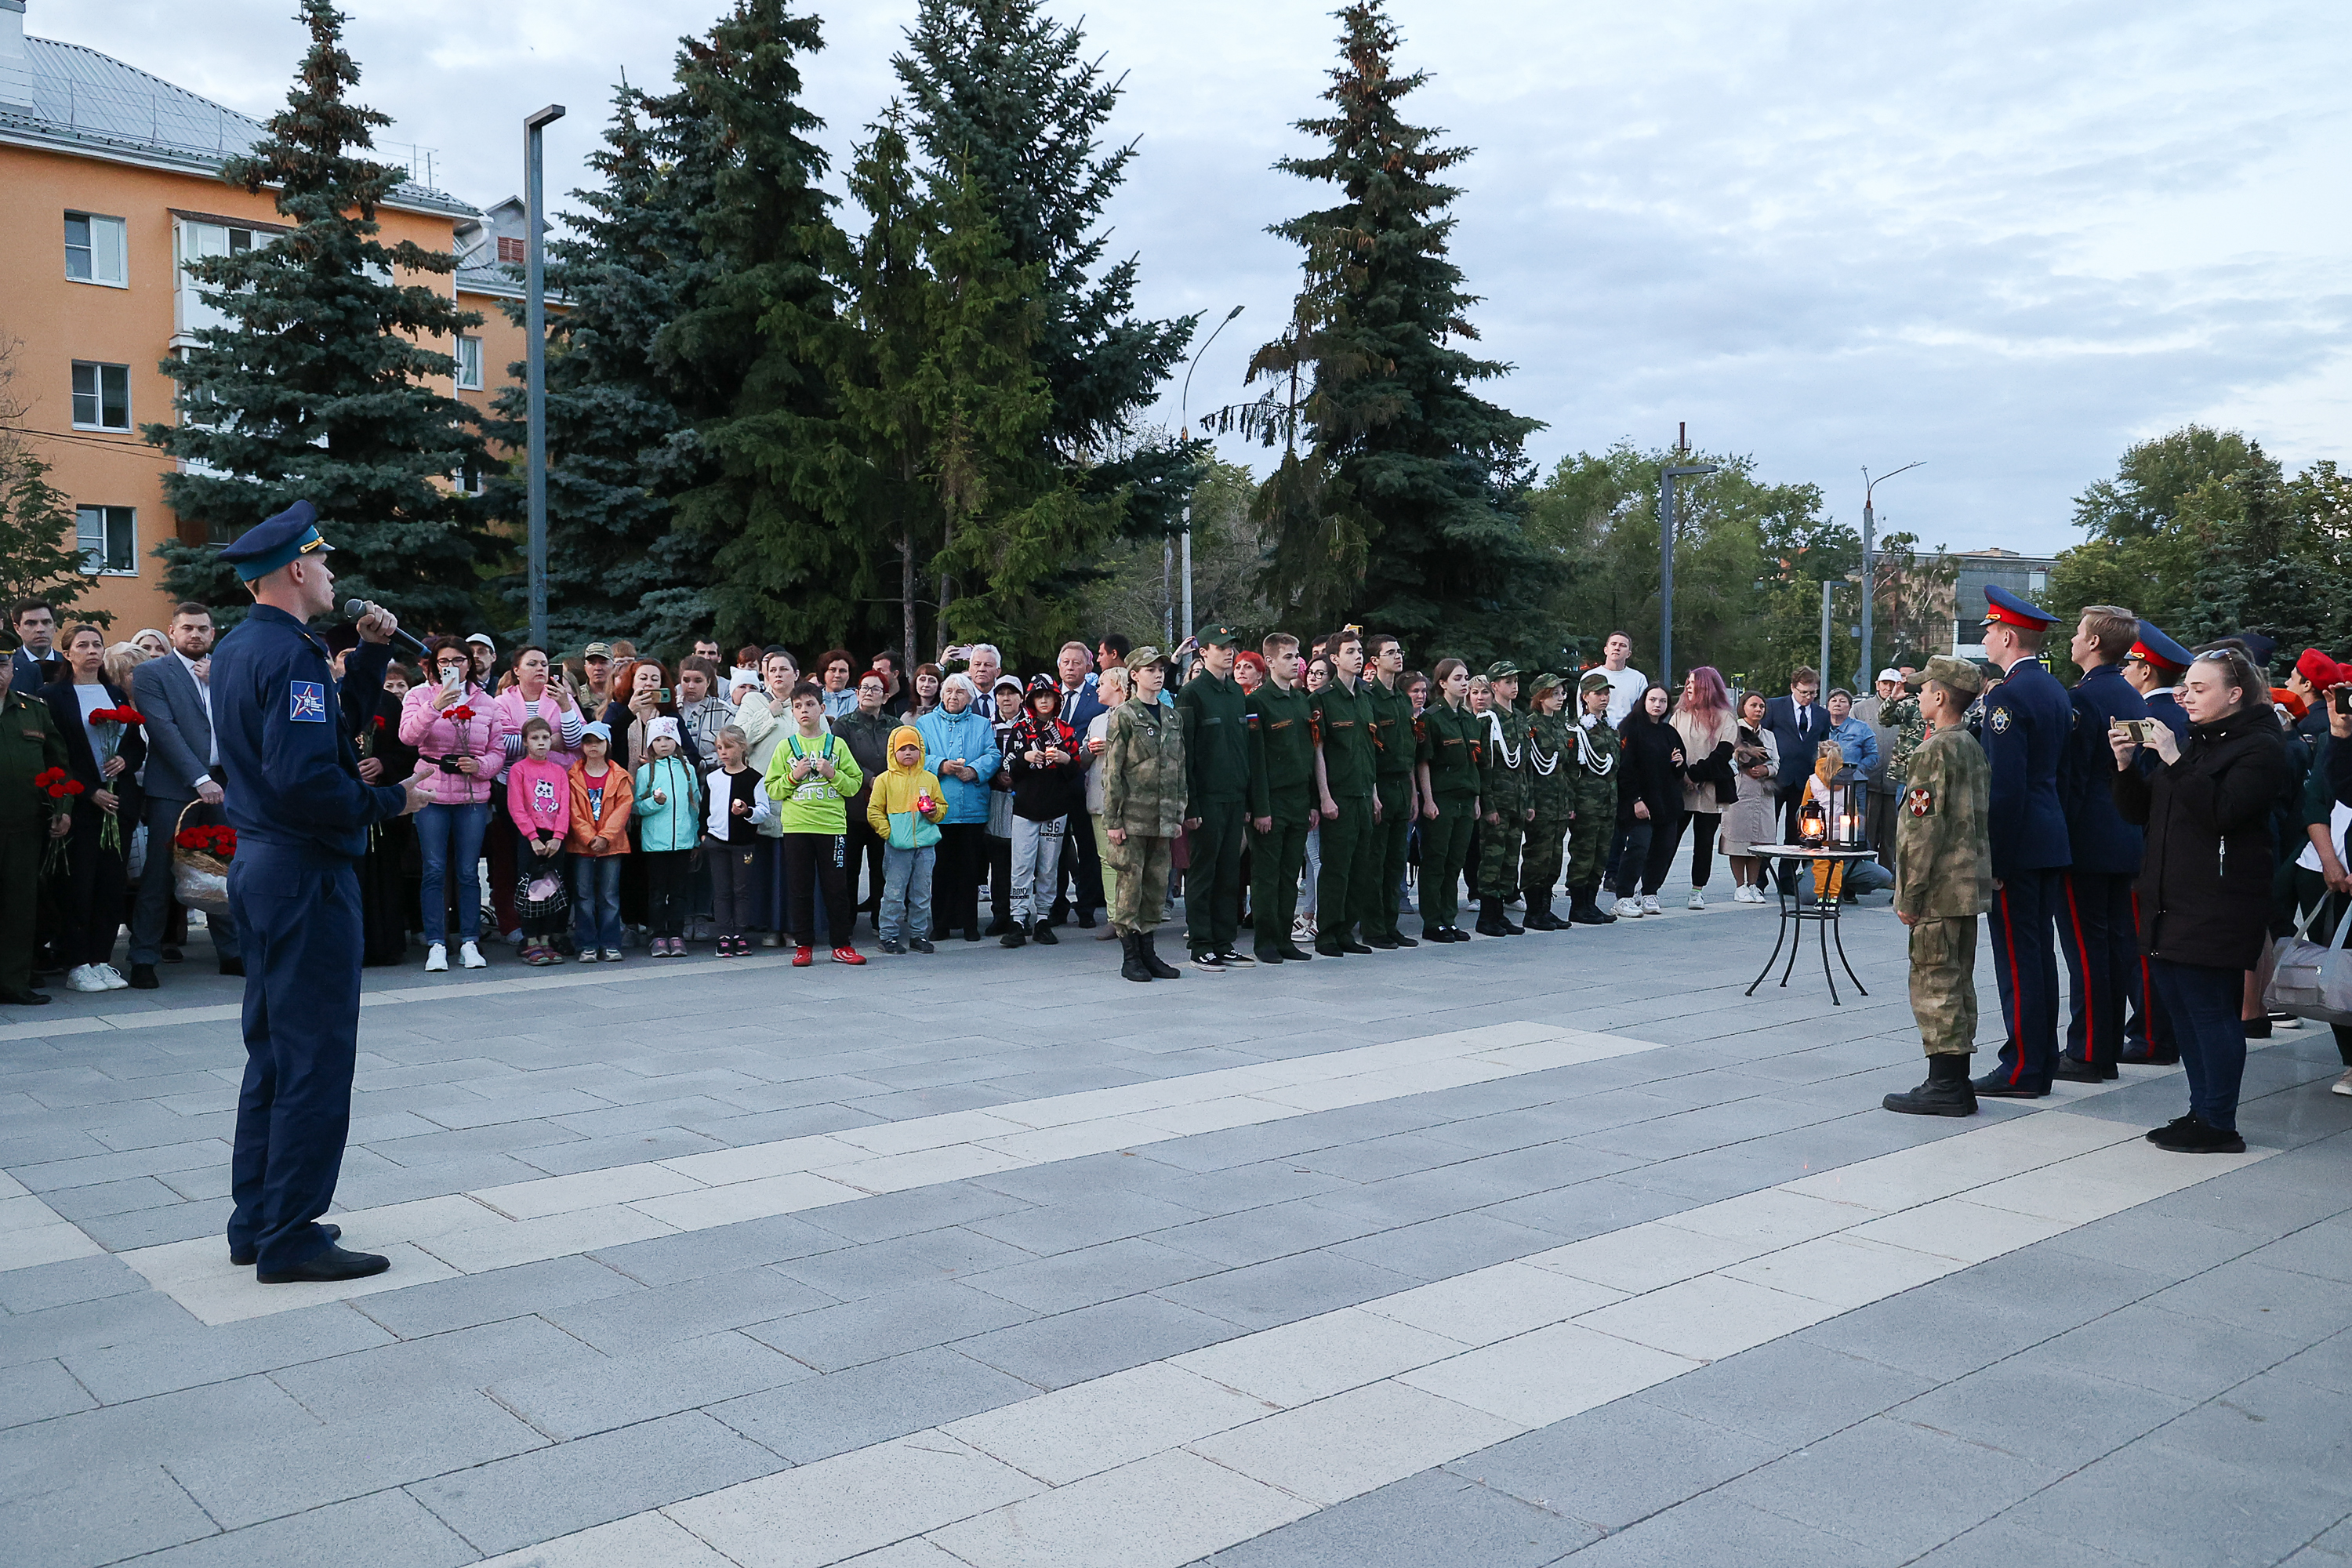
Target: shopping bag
{"x": 2308, "y": 979}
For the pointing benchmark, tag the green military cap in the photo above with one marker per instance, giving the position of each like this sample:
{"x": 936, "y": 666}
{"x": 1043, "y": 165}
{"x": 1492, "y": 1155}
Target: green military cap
{"x": 1220, "y": 636}
{"x": 1143, "y": 655}
{"x": 1502, "y": 669}
{"x": 1956, "y": 673}
{"x": 1543, "y": 682}
{"x": 1593, "y": 681}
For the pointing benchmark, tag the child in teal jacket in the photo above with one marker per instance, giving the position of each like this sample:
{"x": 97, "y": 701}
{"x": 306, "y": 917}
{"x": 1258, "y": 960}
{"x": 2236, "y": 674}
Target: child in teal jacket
{"x": 669, "y": 822}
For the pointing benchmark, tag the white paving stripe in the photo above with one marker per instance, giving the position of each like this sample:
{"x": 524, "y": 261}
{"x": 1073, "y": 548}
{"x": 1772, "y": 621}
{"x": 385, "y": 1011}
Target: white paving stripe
{"x": 1168, "y": 1462}
{"x": 32, "y": 1233}
{"x": 524, "y": 1222}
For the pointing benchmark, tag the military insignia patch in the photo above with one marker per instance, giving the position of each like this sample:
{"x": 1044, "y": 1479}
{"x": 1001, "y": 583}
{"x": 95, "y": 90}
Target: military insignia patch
{"x": 1920, "y": 801}
{"x": 306, "y": 702}
{"x": 1998, "y": 719}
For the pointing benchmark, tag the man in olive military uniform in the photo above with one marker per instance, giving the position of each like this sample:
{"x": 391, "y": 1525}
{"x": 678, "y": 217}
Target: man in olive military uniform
{"x": 1552, "y": 791}
{"x": 29, "y": 747}
{"x": 1446, "y": 738}
{"x": 1217, "y": 774}
{"x": 1143, "y": 781}
{"x": 1503, "y": 796}
{"x": 1281, "y": 797}
{"x": 1347, "y": 763}
{"x": 1943, "y": 883}
{"x": 1392, "y": 780}
{"x": 1593, "y": 811}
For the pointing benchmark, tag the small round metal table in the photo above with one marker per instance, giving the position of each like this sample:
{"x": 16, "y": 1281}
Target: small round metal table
{"x": 1795, "y": 914}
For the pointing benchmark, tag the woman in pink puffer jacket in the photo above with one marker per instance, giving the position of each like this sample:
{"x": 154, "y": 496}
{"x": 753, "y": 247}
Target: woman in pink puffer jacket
{"x": 461, "y": 750}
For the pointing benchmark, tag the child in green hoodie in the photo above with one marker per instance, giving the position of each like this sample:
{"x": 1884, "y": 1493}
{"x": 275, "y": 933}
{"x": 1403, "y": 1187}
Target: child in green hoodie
{"x": 904, "y": 811}
{"x": 810, "y": 775}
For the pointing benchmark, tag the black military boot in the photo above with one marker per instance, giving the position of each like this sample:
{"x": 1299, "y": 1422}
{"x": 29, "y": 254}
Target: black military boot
{"x": 1132, "y": 966}
{"x": 1490, "y": 919}
{"x": 1159, "y": 968}
{"x": 1947, "y": 1092}
{"x": 1585, "y": 911}
{"x": 1503, "y": 915}
{"x": 1539, "y": 915}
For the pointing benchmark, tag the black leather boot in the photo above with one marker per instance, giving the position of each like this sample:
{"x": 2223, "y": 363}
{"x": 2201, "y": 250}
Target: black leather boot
{"x": 1132, "y": 966}
{"x": 1947, "y": 1092}
{"x": 1584, "y": 909}
{"x": 1161, "y": 969}
{"x": 1490, "y": 919}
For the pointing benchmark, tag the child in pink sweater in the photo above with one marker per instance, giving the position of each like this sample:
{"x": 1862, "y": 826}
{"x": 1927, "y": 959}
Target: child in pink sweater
{"x": 538, "y": 799}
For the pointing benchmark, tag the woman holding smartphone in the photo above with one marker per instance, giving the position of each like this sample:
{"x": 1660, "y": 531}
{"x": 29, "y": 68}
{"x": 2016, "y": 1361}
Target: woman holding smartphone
{"x": 454, "y": 726}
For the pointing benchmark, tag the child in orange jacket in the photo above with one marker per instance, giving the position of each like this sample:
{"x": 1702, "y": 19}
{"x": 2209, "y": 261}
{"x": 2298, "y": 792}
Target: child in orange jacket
{"x": 602, "y": 797}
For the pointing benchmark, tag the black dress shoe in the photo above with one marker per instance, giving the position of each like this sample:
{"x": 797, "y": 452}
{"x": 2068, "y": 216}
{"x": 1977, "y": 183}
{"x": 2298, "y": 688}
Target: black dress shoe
{"x": 246, "y": 1259}
{"x": 172, "y": 955}
{"x": 2075, "y": 1069}
{"x": 1353, "y": 946}
{"x": 1385, "y": 943}
{"x": 143, "y": 977}
{"x": 2191, "y": 1135}
{"x": 1993, "y": 1086}
{"x": 233, "y": 966}
{"x": 15, "y": 996}
{"x": 1401, "y": 940}
{"x": 1294, "y": 954}
{"x": 332, "y": 1264}
{"x": 1268, "y": 955}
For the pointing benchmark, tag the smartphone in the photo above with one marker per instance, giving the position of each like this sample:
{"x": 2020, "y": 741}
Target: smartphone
{"x": 2141, "y": 731}
{"x": 450, "y": 678}
{"x": 2344, "y": 699}
{"x": 664, "y": 697}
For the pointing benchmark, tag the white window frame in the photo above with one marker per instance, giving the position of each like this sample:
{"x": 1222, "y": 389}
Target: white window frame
{"x": 100, "y": 223}
{"x": 470, "y": 382}
{"x": 94, "y": 559}
{"x": 98, "y": 369}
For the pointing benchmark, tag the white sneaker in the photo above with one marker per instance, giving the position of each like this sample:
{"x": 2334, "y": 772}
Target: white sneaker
{"x": 111, "y": 977}
{"x": 2342, "y": 1085}
{"x": 1698, "y": 900}
{"x": 1627, "y": 908}
{"x": 587, "y": 955}
{"x": 611, "y": 955}
{"x": 471, "y": 956}
{"x": 1756, "y": 894}
{"x": 436, "y": 958}
{"x": 85, "y": 977}
{"x": 1650, "y": 904}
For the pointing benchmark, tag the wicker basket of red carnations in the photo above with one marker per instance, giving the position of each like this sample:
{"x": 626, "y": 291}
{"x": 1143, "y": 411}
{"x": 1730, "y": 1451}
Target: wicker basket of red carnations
{"x": 200, "y": 858}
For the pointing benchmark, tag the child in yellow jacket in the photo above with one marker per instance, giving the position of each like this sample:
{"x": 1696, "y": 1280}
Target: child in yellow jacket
{"x": 904, "y": 811}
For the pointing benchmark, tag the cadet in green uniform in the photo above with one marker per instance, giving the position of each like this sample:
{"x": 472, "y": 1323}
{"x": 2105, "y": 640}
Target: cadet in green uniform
{"x": 1143, "y": 811}
{"x": 1593, "y": 811}
{"x": 1217, "y": 772}
{"x": 1943, "y": 883}
{"x": 1282, "y": 798}
{"x": 1346, "y": 766}
{"x": 1392, "y": 780}
{"x": 1503, "y": 796}
{"x": 1552, "y": 791}
{"x": 29, "y": 747}
{"x": 1447, "y": 738}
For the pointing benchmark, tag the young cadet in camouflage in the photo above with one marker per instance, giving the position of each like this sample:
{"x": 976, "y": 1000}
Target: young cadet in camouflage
{"x": 1282, "y": 798}
{"x": 1392, "y": 780}
{"x": 1347, "y": 765}
{"x": 1551, "y": 788}
{"x": 1216, "y": 764}
{"x": 29, "y": 747}
{"x": 1447, "y": 739}
{"x": 1503, "y": 796}
{"x": 1944, "y": 882}
{"x": 1143, "y": 811}
{"x": 1593, "y": 809}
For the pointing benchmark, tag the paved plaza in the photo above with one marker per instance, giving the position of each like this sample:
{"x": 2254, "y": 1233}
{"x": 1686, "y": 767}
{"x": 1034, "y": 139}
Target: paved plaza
{"x": 1512, "y": 1253}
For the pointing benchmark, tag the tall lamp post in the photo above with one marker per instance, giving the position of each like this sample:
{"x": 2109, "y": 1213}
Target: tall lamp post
{"x": 535, "y": 294}
{"x": 1870, "y": 577}
{"x": 1666, "y": 477}
{"x": 1183, "y": 404}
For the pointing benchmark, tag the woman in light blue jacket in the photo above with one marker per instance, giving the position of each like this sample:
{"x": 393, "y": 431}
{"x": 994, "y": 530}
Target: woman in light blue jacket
{"x": 667, "y": 818}
{"x": 959, "y": 745}
{"x": 1856, "y": 739}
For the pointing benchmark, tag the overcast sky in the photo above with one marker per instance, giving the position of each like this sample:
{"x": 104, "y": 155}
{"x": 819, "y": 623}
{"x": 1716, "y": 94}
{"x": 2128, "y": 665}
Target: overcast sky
{"x": 2006, "y": 238}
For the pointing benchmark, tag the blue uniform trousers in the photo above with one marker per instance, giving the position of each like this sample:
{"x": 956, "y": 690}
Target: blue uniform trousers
{"x": 297, "y": 911}
{"x": 2101, "y": 942}
{"x": 2025, "y": 966}
{"x": 2148, "y": 1033}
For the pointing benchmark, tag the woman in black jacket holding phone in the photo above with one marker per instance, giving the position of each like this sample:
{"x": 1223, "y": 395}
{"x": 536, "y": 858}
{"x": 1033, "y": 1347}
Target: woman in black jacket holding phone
{"x": 2204, "y": 887}
{"x": 1649, "y": 803}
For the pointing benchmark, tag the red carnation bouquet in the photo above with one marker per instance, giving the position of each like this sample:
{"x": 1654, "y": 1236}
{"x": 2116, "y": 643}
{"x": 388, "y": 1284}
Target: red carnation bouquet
{"x": 220, "y": 843}
{"x": 200, "y": 858}
{"x": 107, "y": 726}
{"x": 61, "y": 787}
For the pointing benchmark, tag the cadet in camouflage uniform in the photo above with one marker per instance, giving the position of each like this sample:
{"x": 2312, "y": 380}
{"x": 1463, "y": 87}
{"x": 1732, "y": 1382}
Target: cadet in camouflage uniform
{"x": 1447, "y": 740}
{"x": 1143, "y": 811}
{"x": 1282, "y": 798}
{"x": 1592, "y": 807}
{"x": 1551, "y": 788}
{"x": 29, "y": 746}
{"x": 1944, "y": 884}
{"x": 1347, "y": 763}
{"x": 1503, "y": 796}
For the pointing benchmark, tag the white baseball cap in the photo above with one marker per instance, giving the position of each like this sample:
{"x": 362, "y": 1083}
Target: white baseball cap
{"x": 1890, "y": 673}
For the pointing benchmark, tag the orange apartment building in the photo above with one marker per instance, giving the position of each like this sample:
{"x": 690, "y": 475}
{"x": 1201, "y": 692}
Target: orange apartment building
{"x": 110, "y": 179}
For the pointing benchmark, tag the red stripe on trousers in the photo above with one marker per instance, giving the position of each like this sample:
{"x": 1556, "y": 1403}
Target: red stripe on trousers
{"x": 2147, "y": 985}
{"x": 2016, "y": 1018}
{"x": 2082, "y": 958}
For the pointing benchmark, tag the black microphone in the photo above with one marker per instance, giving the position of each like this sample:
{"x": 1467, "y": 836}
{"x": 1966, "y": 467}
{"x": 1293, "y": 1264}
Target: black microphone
{"x": 358, "y": 608}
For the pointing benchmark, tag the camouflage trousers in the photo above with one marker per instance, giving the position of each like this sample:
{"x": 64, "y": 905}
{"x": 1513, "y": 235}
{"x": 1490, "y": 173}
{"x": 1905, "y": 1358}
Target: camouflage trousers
{"x": 1498, "y": 855}
{"x": 1142, "y": 893}
{"x": 1540, "y": 862}
{"x": 1943, "y": 985}
{"x": 1588, "y": 836}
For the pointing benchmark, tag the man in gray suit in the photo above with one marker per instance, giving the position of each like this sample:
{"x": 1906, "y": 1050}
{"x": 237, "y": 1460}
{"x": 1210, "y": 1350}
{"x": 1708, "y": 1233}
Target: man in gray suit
{"x": 172, "y": 694}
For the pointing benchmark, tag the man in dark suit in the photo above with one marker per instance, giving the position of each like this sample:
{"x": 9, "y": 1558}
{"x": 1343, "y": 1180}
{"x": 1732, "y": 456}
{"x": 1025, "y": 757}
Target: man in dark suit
{"x": 2096, "y": 928}
{"x": 2153, "y": 667}
{"x": 1799, "y": 724}
{"x": 2027, "y": 721}
{"x": 35, "y": 663}
{"x": 173, "y": 694}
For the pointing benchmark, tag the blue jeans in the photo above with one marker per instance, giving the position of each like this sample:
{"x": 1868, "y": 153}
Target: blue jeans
{"x": 449, "y": 838}
{"x": 907, "y": 893}
{"x": 2202, "y": 1003}
{"x": 596, "y": 901}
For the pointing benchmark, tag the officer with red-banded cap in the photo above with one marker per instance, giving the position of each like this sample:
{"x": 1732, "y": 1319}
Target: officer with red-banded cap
{"x": 2027, "y": 719}
{"x": 2154, "y": 667}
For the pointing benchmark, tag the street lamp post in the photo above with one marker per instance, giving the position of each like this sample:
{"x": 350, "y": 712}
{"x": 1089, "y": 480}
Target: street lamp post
{"x": 534, "y": 293}
{"x": 1666, "y": 477}
{"x": 1869, "y": 576}
{"x": 1183, "y": 404}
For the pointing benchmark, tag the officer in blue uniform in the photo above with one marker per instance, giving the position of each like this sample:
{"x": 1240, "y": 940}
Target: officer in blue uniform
{"x": 2096, "y": 932}
{"x": 2027, "y": 719}
{"x": 2153, "y": 667}
{"x": 301, "y": 815}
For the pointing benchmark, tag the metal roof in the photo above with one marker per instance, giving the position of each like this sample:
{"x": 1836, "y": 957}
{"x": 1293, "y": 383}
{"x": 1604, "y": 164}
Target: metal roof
{"x": 87, "y": 101}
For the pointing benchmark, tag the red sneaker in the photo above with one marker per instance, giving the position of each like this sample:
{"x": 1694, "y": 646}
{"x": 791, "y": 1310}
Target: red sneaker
{"x": 801, "y": 959}
{"x": 847, "y": 955}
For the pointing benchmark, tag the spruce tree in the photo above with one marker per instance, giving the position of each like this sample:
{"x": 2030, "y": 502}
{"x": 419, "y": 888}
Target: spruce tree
{"x": 321, "y": 386}
{"x": 1405, "y": 512}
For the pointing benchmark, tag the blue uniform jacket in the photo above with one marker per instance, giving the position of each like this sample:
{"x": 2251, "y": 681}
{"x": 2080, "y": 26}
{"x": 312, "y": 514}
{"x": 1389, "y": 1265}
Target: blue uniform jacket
{"x": 284, "y": 741}
{"x": 2097, "y": 832}
{"x": 2164, "y": 705}
{"x": 2027, "y": 721}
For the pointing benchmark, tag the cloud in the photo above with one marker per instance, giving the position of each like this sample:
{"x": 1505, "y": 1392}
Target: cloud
{"x": 2009, "y": 238}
